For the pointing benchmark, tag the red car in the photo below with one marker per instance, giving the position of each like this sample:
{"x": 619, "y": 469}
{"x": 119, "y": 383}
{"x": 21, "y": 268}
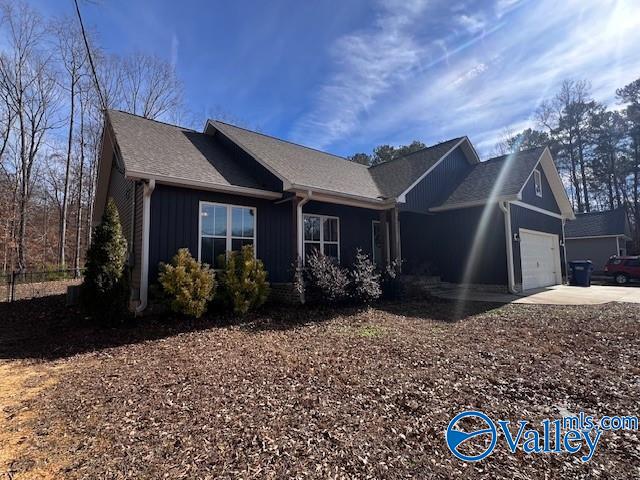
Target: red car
{"x": 623, "y": 269}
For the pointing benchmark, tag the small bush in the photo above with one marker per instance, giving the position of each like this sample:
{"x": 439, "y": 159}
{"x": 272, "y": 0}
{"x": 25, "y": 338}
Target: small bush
{"x": 325, "y": 278}
{"x": 244, "y": 281}
{"x": 105, "y": 289}
{"x": 187, "y": 284}
{"x": 389, "y": 281}
{"x": 365, "y": 280}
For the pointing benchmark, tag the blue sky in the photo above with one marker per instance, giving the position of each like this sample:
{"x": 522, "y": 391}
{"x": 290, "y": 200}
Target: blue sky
{"x": 347, "y": 75}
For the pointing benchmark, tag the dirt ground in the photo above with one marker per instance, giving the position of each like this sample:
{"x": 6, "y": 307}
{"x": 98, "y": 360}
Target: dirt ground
{"x": 309, "y": 393}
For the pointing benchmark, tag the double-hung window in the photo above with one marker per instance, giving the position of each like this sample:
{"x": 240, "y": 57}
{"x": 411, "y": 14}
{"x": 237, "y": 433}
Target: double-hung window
{"x": 224, "y": 228}
{"x": 322, "y": 234}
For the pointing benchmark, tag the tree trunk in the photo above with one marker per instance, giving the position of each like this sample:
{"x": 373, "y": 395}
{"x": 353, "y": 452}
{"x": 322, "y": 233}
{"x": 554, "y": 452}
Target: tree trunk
{"x": 583, "y": 172}
{"x": 574, "y": 175}
{"x": 65, "y": 194}
{"x": 76, "y": 260}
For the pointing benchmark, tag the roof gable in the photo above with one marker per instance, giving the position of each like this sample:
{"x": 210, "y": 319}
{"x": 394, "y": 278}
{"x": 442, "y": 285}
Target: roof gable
{"x": 302, "y": 167}
{"x": 152, "y": 149}
{"x": 503, "y": 178}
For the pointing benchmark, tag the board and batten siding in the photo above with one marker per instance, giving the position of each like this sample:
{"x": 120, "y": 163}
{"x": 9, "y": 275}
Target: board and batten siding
{"x": 356, "y": 227}
{"x": 433, "y": 189}
{"x": 442, "y": 244}
{"x": 531, "y": 220}
{"x": 547, "y": 201}
{"x": 175, "y": 215}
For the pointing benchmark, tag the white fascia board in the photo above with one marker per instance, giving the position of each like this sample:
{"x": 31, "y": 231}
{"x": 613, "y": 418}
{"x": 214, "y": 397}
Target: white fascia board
{"x": 183, "y": 182}
{"x": 537, "y": 209}
{"x": 402, "y": 197}
{"x": 286, "y": 184}
{"x": 475, "y": 203}
{"x": 596, "y": 236}
{"x": 328, "y": 196}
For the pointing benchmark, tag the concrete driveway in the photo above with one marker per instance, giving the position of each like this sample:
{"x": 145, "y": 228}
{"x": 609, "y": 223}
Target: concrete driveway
{"x": 556, "y": 295}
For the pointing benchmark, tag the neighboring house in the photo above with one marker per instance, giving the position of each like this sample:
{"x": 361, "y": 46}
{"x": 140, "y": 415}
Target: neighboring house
{"x": 439, "y": 209}
{"x": 596, "y": 236}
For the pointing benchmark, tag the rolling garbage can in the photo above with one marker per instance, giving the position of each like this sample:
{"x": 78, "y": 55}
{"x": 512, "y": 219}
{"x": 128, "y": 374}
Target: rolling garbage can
{"x": 581, "y": 272}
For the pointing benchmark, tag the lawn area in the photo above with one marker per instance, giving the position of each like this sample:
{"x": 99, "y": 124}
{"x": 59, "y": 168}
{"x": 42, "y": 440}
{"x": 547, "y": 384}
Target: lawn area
{"x": 309, "y": 393}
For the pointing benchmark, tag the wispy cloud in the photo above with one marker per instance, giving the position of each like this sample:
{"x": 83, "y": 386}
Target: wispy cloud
{"x": 472, "y": 23}
{"x": 368, "y": 63}
{"x": 175, "y": 43}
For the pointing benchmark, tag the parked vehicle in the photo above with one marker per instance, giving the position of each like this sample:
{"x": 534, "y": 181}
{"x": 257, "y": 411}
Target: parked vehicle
{"x": 623, "y": 269}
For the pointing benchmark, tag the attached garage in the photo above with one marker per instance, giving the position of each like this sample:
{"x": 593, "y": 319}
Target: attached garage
{"x": 540, "y": 259}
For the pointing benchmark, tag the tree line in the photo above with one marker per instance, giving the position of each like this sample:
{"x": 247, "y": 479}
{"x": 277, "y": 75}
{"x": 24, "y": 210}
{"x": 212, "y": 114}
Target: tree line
{"x": 596, "y": 147}
{"x": 51, "y": 120}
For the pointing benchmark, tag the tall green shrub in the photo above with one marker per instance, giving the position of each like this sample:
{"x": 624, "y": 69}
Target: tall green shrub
{"x": 188, "y": 285}
{"x": 244, "y": 281}
{"x": 105, "y": 288}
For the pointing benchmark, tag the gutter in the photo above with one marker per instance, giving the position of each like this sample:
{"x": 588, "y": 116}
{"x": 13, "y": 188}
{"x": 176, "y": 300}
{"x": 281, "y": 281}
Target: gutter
{"x": 506, "y": 209}
{"x": 149, "y": 186}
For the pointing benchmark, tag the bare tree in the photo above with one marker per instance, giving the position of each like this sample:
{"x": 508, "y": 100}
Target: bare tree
{"x": 150, "y": 86}
{"x": 73, "y": 58}
{"x": 30, "y": 90}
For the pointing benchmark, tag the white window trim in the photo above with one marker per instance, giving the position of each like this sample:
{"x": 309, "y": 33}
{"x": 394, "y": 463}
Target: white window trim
{"x": 229, "y": 236}
{"x": 537, "y": 182}
{"x": 322, "y": 240}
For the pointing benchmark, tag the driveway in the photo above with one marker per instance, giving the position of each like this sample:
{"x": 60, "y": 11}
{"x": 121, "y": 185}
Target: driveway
{"x": 556, "y": 295}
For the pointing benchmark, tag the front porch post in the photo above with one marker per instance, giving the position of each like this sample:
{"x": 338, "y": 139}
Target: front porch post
{"x": 394, "y": 227}
{"x": 384, "y": 236}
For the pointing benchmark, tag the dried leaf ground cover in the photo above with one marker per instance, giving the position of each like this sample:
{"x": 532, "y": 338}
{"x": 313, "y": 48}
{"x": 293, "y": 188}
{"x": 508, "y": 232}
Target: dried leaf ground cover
{"x": 310, "y": 393}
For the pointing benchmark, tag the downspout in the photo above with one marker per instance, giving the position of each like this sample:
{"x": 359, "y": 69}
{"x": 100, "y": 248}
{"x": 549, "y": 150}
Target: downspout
{"x": 564, "y": 251}
{"x": 506, "y": 209}
{"x": 149, "y": 186}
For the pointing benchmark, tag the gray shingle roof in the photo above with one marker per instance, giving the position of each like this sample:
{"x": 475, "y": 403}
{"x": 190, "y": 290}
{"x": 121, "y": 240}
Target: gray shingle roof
{"x": 157, "y": 148}
{"x": 304, "y": 166}
{"x": 394, "y": 177}
{"x": 513, "y": 171}
{"x": 610, "y": 222}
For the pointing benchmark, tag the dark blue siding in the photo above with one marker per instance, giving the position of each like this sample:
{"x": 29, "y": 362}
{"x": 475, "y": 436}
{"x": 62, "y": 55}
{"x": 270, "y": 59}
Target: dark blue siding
{"x": 530, "y": 220}
{"x": 355, "y": 227}
{"x": 443, "y": 243}
{"x": 548, "y": 200}
{"x": 174, "y": 224}
{"x": 438, "y": 184}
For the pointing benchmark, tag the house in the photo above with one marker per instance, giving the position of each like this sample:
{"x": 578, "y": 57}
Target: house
{"x": 498, "y": 222}
{"x": 596, "y": 236}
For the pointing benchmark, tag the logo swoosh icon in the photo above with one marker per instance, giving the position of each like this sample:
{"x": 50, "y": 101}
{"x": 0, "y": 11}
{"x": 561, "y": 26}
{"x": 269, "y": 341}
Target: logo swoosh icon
{"x": 456, "y": 437}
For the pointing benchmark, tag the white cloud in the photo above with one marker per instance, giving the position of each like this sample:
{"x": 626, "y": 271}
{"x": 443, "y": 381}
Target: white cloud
{"x": 472, "y": 23}
{"x": 175, "y": 43}
{"x": 369, "y": 63}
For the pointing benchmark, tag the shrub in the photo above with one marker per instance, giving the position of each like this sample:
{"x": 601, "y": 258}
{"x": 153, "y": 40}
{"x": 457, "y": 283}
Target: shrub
{"x": 325, "y": 278}
{"x": 105, "y": 289}
{"x": 187, "y": 284}
{"x": 365, "y": 280}
{"x": 244, "y": 281}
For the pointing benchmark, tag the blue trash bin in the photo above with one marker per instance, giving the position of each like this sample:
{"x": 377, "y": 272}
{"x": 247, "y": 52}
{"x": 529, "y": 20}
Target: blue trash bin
{"x": 581, "y": 272}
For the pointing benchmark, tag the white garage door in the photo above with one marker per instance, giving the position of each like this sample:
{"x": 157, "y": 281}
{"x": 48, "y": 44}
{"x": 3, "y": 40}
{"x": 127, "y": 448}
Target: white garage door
{"x": 540, "y": 257}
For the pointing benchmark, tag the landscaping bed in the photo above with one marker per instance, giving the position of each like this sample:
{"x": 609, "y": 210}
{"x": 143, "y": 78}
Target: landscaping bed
{"x": 315, "y": 393}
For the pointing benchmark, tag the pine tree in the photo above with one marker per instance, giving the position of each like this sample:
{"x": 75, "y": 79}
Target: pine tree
{"x": 105, "y": 286}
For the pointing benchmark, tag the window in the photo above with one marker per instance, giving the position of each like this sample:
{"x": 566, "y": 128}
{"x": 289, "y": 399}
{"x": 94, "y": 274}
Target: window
{"x": 377, "y": 244}
{"x": 537, "y": 180}
{"x": 322, "y": 233}
{"x": 224, "y": 228}
{"x": 632, "y": 263}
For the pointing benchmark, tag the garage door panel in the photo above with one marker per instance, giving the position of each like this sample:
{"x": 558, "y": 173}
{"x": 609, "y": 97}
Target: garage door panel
{"x": 539, "y": 254}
